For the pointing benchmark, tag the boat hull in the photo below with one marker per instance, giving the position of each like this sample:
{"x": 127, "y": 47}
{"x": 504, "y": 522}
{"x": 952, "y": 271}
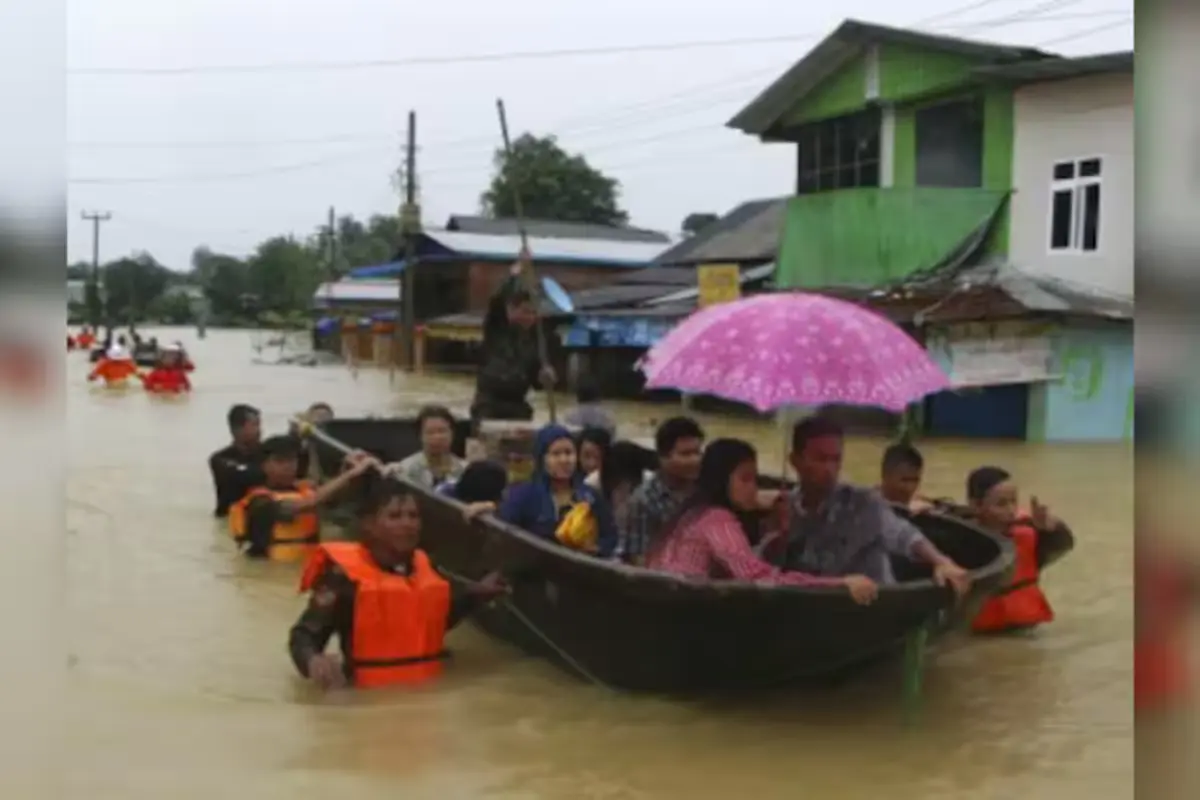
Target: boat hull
{"x": 640, "y": 630}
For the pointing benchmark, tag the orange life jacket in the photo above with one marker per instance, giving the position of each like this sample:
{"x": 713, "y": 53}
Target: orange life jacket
{"x": 1021, "y": 604}
{"x": 290, "y": 541}
{"x": 399, "y": 622}
{"x": 114, "y": 372}
{"x": 1160, "y": 664}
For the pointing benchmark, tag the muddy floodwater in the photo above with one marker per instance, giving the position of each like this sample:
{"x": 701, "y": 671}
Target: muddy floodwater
{"x": 180, "y": 686}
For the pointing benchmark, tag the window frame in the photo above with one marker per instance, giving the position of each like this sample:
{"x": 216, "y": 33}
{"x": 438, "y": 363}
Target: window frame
{"x": 1077, "y": 185}
{"x": 820, "y": 177}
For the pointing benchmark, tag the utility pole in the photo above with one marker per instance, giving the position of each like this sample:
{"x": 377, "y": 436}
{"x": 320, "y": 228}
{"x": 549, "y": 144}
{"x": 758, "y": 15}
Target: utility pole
{"x": 410, "y": 218}
{"x": 97, "y": 217}
{"x": 331, "y": 248}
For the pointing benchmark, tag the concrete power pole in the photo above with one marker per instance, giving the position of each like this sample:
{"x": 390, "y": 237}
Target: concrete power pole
{"x": 410, "y": 218}
{"x": 97, "y": 217}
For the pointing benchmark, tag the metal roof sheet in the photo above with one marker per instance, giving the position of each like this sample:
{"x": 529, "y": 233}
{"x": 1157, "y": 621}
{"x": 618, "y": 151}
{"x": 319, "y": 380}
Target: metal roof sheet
{"x": 360, "y": 291}
{"x": 599, "y": 252}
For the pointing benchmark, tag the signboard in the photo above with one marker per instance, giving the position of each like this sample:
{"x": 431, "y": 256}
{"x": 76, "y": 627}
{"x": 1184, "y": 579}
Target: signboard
{"x": 718, "y": 283}
{"x": 994, "y": 354}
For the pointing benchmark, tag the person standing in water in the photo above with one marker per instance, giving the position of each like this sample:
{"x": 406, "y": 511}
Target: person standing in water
{"x": 384, "y": 599}
{"x": 511, "y": 363}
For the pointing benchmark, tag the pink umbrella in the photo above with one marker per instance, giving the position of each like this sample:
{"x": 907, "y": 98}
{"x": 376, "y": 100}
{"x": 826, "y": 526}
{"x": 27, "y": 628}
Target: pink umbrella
{"x": 777, "y": 350}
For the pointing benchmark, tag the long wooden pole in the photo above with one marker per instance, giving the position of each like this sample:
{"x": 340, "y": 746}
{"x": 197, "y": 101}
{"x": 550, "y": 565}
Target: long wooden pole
{"x": 410, "y": 219}
{"x": 527, "y": 271}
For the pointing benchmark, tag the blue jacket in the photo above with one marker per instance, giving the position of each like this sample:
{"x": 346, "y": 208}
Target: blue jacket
{"x": 530, "y": 505}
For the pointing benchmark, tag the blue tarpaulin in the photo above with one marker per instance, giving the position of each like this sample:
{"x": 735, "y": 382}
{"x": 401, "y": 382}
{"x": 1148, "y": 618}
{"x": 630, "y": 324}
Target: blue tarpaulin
{"x": 389, "y": 270}
{"x": 326, "y": 325}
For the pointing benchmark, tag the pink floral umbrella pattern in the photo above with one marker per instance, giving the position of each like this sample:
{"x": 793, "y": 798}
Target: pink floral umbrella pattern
{"x": 776, "y": 350}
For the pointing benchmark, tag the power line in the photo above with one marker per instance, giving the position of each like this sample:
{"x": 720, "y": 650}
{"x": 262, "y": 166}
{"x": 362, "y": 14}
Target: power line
{"x": 1070, "y": 37}
{"x": 481, "y": 58}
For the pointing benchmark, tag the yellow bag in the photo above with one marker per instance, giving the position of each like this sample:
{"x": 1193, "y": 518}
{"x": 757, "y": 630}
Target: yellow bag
{"x": 578, "y": 529}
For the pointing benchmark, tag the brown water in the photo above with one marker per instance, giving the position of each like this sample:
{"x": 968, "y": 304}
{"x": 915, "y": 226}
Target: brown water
{"x": 180, "y": 687}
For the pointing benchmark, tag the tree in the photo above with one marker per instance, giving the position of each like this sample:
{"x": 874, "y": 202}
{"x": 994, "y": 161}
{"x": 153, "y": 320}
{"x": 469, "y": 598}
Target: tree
{"x": 553, "y": 185}
{"x": 132, "y": 284}
{"x": 283, "y": 274}
{"x": 697, "y": 221}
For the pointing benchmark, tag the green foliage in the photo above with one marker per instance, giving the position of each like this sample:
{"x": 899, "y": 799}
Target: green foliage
{"x": 698, "y": 221}
{"x": 553, "y": 185}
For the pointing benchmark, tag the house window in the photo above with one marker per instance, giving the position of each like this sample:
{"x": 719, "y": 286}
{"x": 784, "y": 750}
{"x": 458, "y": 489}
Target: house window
{"x": 839, "y": 153}
{"x": 1075, "y": 206}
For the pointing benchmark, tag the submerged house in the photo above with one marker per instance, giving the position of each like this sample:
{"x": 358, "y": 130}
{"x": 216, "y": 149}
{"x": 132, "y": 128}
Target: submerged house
{"x": 922, "y": 187}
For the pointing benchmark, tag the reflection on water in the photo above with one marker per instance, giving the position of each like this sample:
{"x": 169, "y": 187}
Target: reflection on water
{"x": 180, "y": 685}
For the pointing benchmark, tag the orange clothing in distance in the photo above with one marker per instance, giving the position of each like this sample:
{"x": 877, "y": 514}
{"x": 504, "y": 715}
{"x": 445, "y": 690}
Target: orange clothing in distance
{"x": 85, "y": 340}
{"x": 290, "y": 541}
{"x": 399, "y": 623}
{"x": 166, "y": 380}
{"x": 1021, "y": 604}
{"x": 114, "y": 372}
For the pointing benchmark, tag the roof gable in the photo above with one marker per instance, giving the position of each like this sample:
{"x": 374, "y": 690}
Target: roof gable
{"x": 846, "y": 45}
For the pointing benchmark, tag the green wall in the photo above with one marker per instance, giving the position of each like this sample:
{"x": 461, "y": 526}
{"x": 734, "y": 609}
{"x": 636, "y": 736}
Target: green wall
{"x": 906, "y": 73}
{"x": 865, "y": 237}
{"x": 843, "y": 92}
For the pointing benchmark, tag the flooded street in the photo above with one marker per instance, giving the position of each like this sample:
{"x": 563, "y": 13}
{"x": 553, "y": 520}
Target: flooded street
{"x": 180, "y": 685}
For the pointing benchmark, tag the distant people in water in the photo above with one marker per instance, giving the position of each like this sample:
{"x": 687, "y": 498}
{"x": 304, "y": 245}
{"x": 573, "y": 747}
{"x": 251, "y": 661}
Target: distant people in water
{"x": 436, "y": 462}
{"x": 555, "y": 503}
{"x": 169, "y": 376}
{"x": 114, "y": 368}
{"x": 588, "y": 412}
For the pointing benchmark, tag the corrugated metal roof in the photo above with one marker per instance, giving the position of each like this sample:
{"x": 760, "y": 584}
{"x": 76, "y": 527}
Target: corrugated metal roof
{"x": 553, "y": 229}
{"x": 659, "y": 275}
{"x": 618, "y": 295}
{"x": 357, "y": 291}
{"x": 750, "y": 232}
{"x": 751, "y": 275}
{"x": 598, "y": 252}
{"x": 1051, "y": 69}
{"x": 840, "y": 47}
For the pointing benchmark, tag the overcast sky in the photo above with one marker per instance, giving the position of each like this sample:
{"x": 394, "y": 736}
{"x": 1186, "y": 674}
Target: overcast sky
{"x": 229, "y": 158}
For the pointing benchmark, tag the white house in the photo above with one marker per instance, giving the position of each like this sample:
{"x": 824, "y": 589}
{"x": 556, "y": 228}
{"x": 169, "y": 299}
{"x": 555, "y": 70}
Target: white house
{"x": 1073, "y": 173}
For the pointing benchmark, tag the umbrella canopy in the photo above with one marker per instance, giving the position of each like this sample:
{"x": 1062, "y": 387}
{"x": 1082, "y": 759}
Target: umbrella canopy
{"x": 776, "y": 350}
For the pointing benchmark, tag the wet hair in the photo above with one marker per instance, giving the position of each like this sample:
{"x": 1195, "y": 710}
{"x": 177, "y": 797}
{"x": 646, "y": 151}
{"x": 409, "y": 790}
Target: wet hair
{"x": 624, "y": 463}
{"x": 239, "y": 415}
{"x": 328, "y": 409}
{"x": 586, "y": 390}
{"x": 814, "y": 428}
{"x": 281, "y": 447}
{"x": 434, "y": 412}
{"x": 381, "y": 496}
{"x": 983, "y": 480}
{"x": 481, "y": 482}
{"x": 670, "y": 432}
{"x": 902, "y": 454}
{"x": 597, "y": 436}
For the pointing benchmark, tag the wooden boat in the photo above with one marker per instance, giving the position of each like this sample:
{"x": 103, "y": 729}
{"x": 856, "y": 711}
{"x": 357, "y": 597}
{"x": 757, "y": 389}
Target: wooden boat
{"x": 641, "y": 630}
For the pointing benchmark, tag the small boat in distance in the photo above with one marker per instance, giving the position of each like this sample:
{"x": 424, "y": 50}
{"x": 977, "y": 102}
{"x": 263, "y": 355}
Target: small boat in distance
{"x": 642, "y": 630}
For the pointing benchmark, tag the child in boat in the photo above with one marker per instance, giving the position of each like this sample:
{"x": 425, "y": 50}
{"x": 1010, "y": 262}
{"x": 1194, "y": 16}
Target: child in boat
{"x": 1038, "y": 538}
{"x": 708, "y": 539}
{"x": 900, "y": 476}
{"x": 480, "y": 488}
{"x": 170, "y": 376}
{"x": 115, "y": 368}
{"x": 594, "y": 444}
{"x": 555, "y": 502}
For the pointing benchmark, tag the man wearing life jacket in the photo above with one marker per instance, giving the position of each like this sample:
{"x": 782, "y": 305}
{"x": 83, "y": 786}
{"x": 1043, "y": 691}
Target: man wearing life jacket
{"x": 1037, "y": 537}
{"x": 384, "y": 600}
{"x": 278, "y": 520}
{"x": 115, "y": 368}
{"x": 170, "y": 376}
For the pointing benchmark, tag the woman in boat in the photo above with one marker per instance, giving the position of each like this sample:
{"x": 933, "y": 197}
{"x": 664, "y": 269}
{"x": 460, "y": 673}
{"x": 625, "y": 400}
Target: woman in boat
{"x": 511, "y": 363}
{"x": 556, "y": 503}
{"x": 436, "y": 463}
{"x": 594, "y": 444}
{"x": 708, "y": 539}
{"x": 625, "y": 468}
{"x": 480, "y": 489}
{"x": 1038, "y": 538}
{"x": 397, "y": 638}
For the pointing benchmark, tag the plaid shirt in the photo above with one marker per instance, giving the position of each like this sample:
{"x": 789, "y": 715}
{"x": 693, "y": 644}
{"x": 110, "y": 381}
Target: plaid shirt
{"x": 855, "y": 531}
{"x": 651, "y": 506}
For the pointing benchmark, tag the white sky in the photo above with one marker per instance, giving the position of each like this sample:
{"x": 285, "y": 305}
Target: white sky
{"x": 228, "y": 159}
